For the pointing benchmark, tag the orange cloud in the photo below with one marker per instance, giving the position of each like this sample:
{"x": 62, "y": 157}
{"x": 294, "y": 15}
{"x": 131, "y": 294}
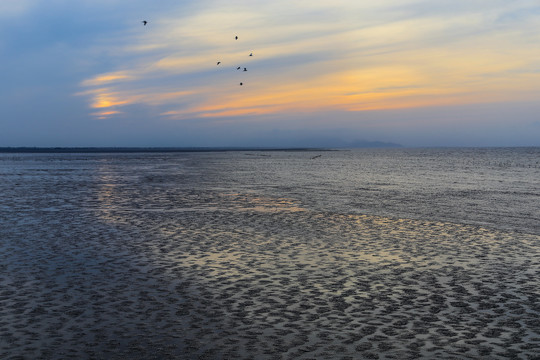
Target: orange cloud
{"x": 384, "y": 63}
{"x": 106, "y": 100}
{"x": 107, "y": 78}
{"x": 105, "y": 114}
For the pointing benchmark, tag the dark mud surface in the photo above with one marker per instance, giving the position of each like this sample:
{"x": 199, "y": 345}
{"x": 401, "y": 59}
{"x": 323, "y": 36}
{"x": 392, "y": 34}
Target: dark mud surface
{"x": 270, "y": 281}
{"x": 267, "y": 257}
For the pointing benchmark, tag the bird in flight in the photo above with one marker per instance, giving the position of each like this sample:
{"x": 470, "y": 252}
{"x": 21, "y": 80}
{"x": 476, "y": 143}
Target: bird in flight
{"x": 236, "y": 38}
{"x": 245, "y": 69}
{"x": 144, "y": 22}
{"x": 219, "y": 62}
{"x": 251, "y": 54}
{"x": 241, "y": 84}
{"x": 238, "y": 68}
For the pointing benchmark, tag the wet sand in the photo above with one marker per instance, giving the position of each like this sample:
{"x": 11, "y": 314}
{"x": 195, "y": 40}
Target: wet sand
{"x": 263, "y": 279}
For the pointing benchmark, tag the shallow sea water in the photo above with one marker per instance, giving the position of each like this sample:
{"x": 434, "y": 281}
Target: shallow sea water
{"x": 387, "y": 253}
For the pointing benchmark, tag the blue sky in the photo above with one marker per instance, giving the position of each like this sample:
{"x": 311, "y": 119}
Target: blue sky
{"x": 419, "y": 73}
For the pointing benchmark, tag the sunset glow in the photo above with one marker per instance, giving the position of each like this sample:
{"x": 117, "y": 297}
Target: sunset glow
{"x": 341, "y": 57}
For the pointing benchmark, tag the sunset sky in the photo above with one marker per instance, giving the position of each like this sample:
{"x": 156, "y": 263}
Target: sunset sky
{"x": 418, "y": 73}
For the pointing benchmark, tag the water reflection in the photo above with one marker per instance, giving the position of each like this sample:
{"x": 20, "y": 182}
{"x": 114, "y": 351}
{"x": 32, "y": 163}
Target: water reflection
{"x": 106, "y": 191}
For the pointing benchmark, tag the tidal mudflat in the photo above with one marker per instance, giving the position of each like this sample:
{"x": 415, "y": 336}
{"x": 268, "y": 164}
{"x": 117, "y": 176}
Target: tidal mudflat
{"x": 116, "y": 271}
{"x": 265, "y": 283}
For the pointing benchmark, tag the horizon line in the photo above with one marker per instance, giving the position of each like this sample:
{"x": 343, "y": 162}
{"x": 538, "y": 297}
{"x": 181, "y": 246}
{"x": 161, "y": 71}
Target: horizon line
{"x": 179, "y": 149}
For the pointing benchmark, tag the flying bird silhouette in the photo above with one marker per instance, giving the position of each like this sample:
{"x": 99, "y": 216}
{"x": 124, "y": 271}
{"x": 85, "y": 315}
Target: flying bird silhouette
{"x": 241, "y": 84}
{"x": 245, "y": 69}
{"x": 219, "y": 62}
{"x": 236, "y": 38}
{"x": 144, "y": 22}
{"x": 251, "y": 54}
{"x": 238, "y": 68}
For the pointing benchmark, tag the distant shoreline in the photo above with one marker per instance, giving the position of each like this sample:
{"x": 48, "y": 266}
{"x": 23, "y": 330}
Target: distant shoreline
{"x": 73, "y": 150}
{"x": 128, "y": 150}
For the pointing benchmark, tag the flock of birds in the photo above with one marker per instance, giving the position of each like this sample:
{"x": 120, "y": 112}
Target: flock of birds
{"x": 239, "y": 67}
{"x": 144, "y": 22}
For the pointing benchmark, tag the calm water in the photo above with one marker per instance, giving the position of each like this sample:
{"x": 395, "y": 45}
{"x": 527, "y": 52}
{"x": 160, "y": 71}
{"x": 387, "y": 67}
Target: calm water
{"x": 498, "y": 188}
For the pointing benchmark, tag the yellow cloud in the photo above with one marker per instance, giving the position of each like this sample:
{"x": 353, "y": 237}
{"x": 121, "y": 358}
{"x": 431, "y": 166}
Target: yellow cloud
{"x": 107, "y": 100}
{"x": 105, "y": 114}
{"x": 387, "y": 61}
{"x": 107, "y": 78}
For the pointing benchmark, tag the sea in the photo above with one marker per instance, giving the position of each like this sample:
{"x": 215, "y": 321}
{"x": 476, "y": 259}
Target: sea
{"x": 388, "y": 253}
{"x": 492, "y": 187}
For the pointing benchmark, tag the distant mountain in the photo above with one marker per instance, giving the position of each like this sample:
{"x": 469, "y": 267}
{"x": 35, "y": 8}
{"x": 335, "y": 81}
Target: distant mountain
{"x": 371, "y": 144}
{"x": 337, "y": 143}
{"x": 328, "y": 142}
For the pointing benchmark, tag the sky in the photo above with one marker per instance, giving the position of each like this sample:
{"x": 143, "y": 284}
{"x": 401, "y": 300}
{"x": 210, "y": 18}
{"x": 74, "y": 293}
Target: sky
{"x": 413, "y": 72}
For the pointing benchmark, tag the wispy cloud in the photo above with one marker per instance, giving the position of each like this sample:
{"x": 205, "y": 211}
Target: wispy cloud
{"x": 374, "y": 66}
{"x": 314, "y": 56}
{"x": 105, "y": 114}
{"x": 102, "y": 79}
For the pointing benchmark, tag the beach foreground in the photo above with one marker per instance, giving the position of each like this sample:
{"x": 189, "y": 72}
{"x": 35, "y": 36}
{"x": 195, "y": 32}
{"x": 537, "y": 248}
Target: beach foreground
{"x": 265, "y": 279}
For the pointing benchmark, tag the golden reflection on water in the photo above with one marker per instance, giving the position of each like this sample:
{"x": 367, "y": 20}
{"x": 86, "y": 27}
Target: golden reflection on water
{"x": 106, "y": 193}
{"x": 246, "y": 202}
{"x": 295, "y": 254}
{"x": 352, "y": 239}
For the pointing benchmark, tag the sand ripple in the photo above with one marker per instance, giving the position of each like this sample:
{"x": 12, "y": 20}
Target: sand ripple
{"x": 252, "y": 283}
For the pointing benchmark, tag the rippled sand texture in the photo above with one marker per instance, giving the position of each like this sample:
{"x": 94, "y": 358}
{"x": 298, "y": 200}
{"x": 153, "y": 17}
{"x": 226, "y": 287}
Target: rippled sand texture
{"x": 264, "y": 281}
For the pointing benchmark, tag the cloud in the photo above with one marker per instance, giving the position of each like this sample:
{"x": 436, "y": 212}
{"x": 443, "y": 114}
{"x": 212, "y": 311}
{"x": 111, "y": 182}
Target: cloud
{"x": 107, "y": 78}
{"x": 345, "y": 55}
{"x": 105, "y": 114}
